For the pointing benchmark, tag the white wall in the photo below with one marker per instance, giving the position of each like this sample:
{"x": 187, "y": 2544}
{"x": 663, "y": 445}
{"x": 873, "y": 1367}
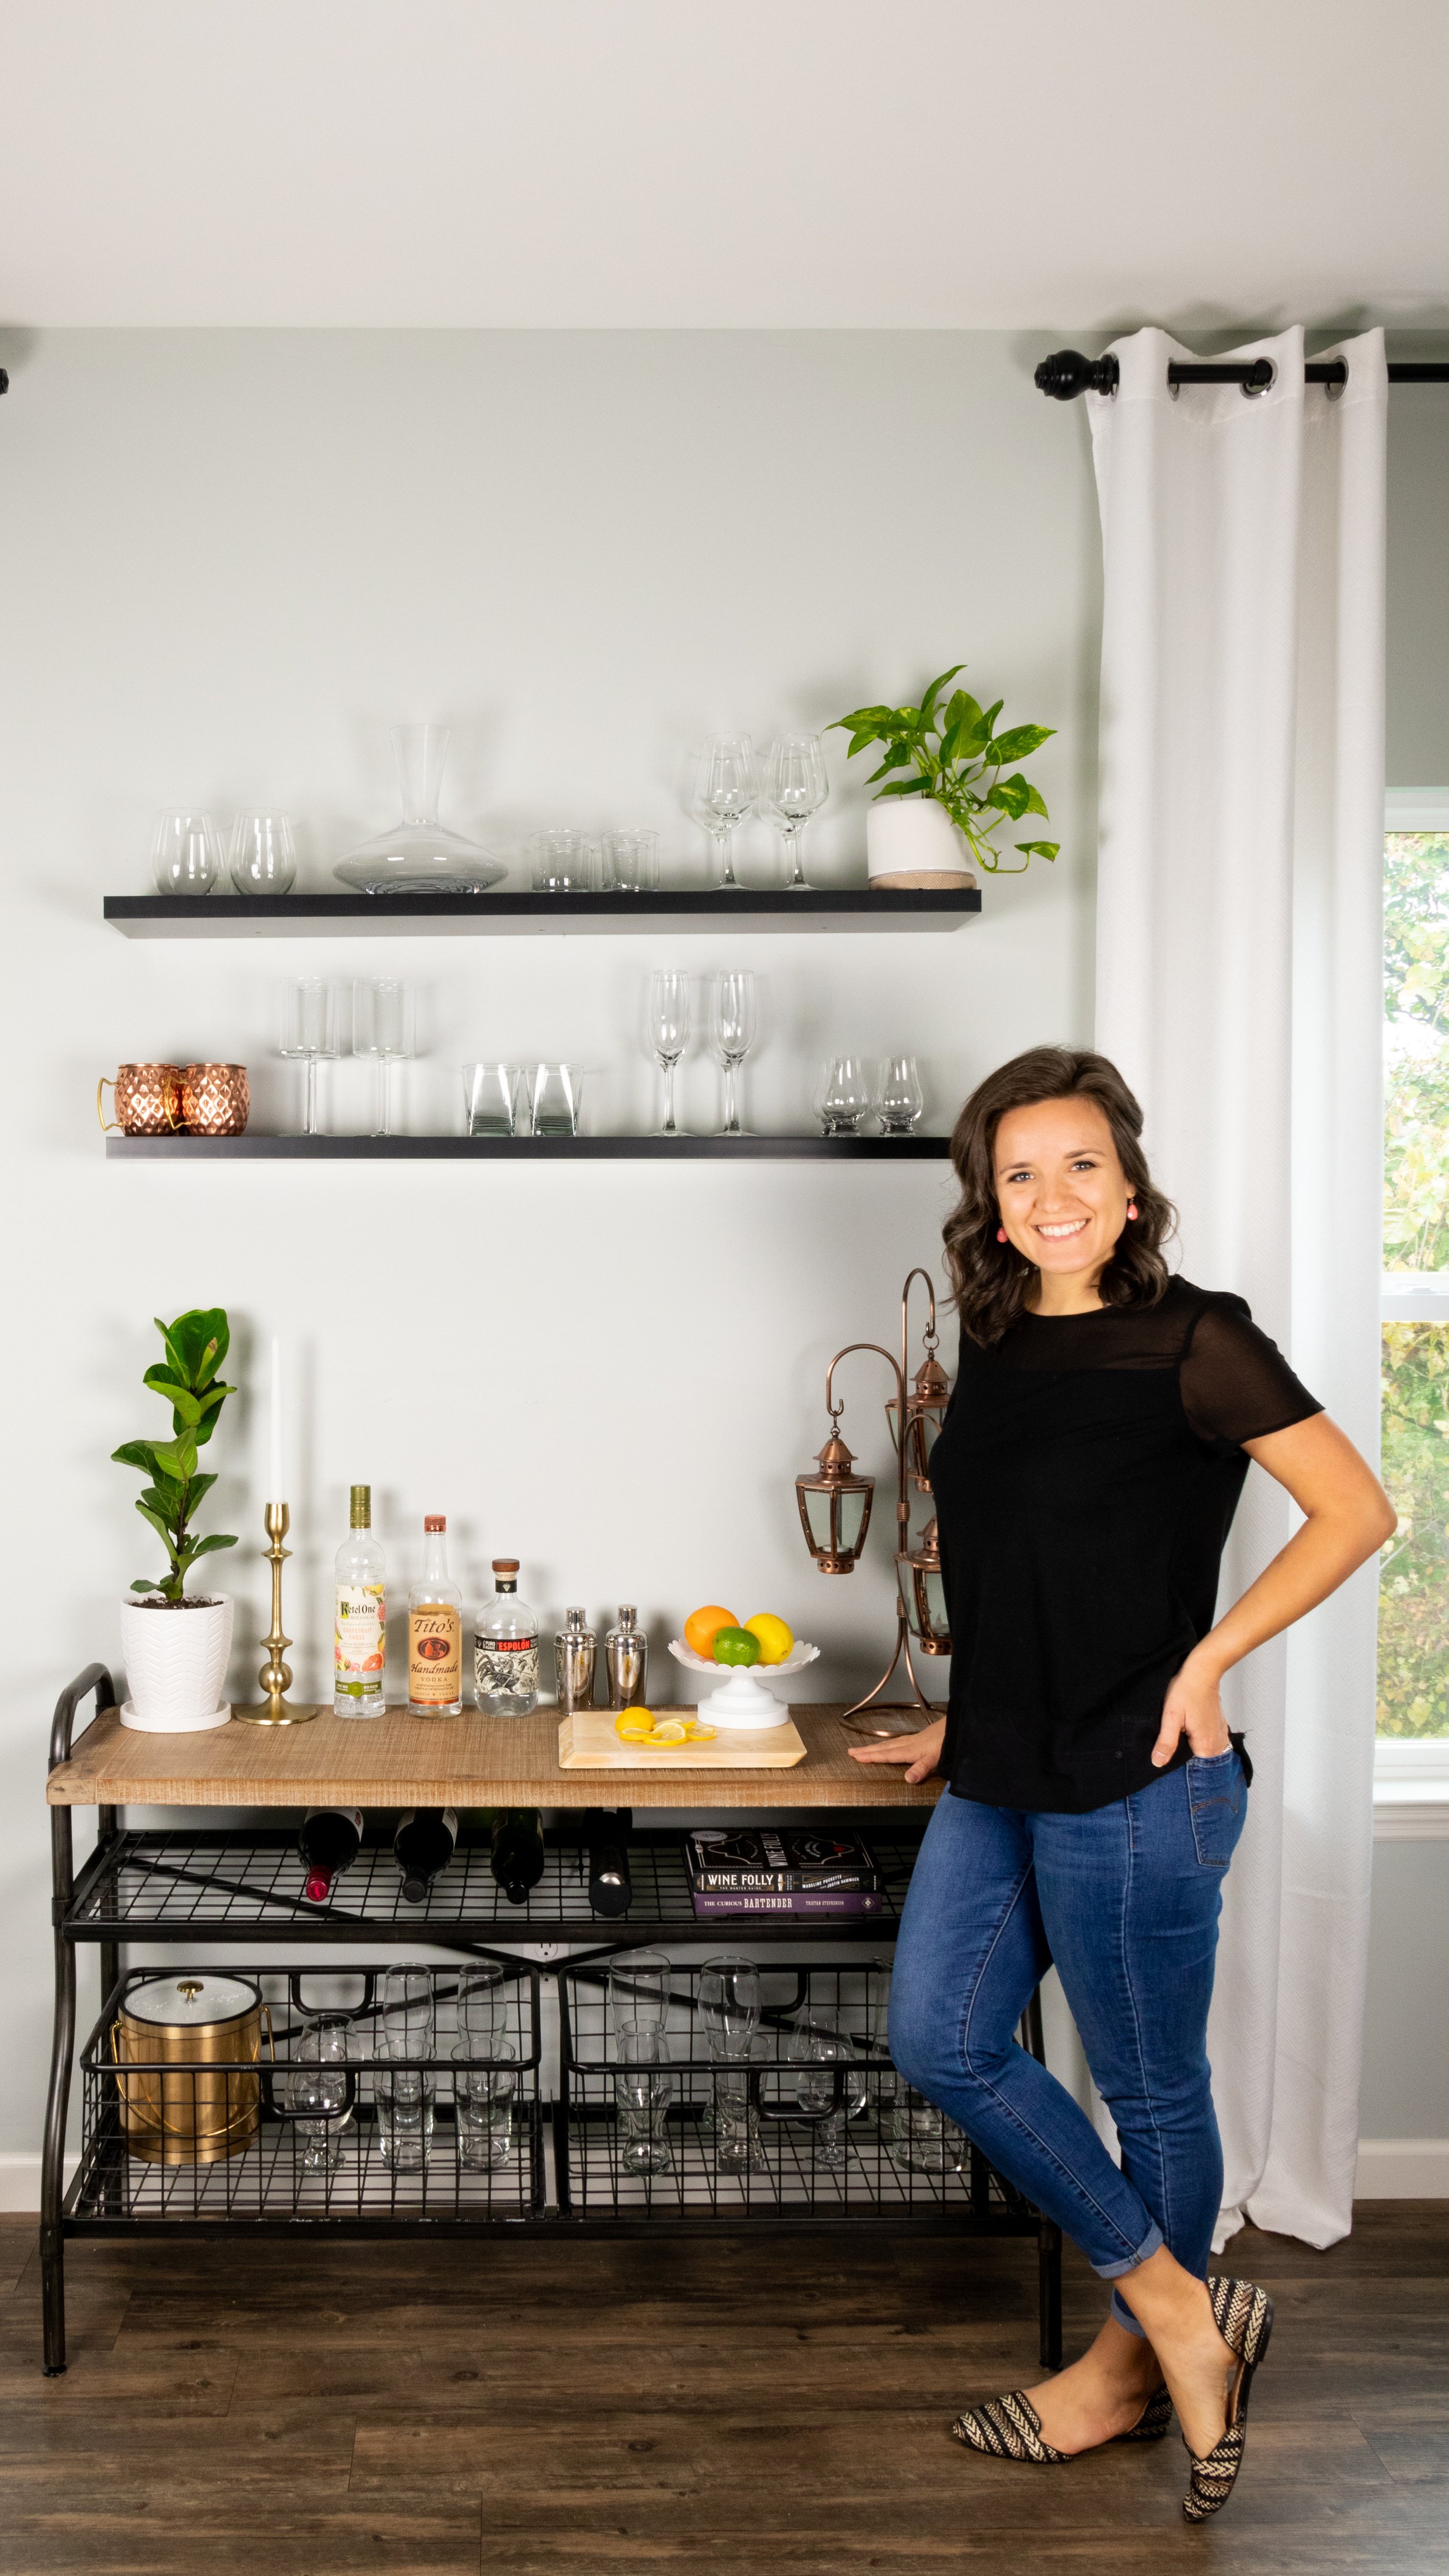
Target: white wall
{"x": 230, "y": 560}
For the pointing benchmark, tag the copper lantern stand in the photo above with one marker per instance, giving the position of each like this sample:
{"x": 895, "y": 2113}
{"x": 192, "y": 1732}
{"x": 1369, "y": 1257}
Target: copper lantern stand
{"x": 834, "y": 1505}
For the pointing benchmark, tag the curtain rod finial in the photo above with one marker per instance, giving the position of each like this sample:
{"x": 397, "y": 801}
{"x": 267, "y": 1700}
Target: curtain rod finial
{"x": 1066, "y": 373}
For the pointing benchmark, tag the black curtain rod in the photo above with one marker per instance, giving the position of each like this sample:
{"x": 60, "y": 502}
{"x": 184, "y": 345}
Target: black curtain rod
{"x": 1067, "y": 373}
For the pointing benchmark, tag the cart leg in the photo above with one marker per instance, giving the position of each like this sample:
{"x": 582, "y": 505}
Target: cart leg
{"x": 1049, "y": 2288}
{"x": 52, "y": 2171}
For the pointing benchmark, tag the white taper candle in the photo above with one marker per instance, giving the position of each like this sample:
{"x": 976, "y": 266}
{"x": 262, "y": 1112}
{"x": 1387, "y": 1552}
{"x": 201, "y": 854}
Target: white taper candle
{"x": 276, "y": 1487}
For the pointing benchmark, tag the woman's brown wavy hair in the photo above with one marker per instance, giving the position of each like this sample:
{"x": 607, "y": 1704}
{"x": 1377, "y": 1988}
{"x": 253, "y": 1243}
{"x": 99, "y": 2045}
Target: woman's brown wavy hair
{"x": 992, "y": 1280}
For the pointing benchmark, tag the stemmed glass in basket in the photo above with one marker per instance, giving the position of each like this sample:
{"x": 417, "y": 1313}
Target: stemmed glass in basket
{"x": 726, "y": 790}
{"x": 732, "y": 1030}
{"x": 795, "y": 788}
{"x": 668, "y": 1034}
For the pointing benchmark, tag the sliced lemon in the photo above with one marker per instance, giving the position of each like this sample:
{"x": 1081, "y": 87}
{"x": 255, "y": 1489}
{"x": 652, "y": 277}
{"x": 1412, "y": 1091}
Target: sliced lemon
{"x": 669, "y": 1730}
{"x": 697, "y": 1734}
{"x": 634, "y": 1725}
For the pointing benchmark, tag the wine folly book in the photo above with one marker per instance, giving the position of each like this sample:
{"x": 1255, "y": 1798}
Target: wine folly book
{"x": 780, "y": 1869}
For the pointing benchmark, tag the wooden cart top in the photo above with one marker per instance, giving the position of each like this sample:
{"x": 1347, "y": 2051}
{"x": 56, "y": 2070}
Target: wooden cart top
{"x": 399, "y": 1761}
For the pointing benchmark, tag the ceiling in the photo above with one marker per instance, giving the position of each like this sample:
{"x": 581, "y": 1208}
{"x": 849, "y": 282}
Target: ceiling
{"x": 1064, "y": 165}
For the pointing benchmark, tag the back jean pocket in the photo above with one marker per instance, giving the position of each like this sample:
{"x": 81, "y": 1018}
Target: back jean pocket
{"x": 1217, "y": 1796}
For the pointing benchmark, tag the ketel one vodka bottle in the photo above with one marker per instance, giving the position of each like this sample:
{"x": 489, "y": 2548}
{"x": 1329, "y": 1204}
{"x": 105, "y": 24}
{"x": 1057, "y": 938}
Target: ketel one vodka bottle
{"x": 505, "y": 1648}
{"x": 359, "y": 1649}
{"x": 435, "y": 1631}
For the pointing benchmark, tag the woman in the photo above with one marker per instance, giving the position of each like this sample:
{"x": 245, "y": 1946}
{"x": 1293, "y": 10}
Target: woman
{"x": 1085, "y": 1478}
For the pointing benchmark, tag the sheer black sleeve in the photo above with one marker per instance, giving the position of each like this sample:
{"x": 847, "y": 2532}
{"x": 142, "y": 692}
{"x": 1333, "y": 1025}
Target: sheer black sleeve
{"x": 1236, "y": 1385}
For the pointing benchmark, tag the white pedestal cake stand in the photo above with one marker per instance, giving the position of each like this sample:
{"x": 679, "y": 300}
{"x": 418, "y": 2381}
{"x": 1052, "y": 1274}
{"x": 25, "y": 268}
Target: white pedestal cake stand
{"x": 747, "y": 1699}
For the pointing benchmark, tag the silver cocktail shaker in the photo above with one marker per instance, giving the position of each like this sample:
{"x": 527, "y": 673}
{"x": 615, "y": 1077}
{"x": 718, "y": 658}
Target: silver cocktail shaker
{"x": 626, "y": 1654}
{"x": 575, "y": 1649}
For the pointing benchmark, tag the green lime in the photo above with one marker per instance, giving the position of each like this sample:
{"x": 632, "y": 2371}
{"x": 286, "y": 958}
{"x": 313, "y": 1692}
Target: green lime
{"x": 735, "y": 1646}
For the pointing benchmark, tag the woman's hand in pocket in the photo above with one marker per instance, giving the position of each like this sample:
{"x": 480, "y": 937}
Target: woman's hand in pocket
{"x": 1192, "y": 1708}
{"x": 921, "y": 1752}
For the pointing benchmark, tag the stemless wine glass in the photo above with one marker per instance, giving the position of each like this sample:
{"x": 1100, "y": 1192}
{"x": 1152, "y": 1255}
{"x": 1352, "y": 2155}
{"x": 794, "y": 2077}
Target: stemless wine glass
{"x": 263, "y": 854}
{"x": 186, "y": 856}
{"x": 899, "y": 1098}
{"x": 383, "y": 1028}
{"x": 668, "y": 1034}
{"x": 312, "y": 1012}
{"x": 725, "y": 792}
{"x": 843, "y": 1095}
{"x": 732, "y": 1031}
{"x": 795, "y": 788}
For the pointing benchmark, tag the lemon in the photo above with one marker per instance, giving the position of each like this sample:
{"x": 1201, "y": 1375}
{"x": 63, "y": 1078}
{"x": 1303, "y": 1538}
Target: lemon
{"x": 669, "y": 1730}
{"x": 775, "y": 1638}
{"x": 697, "y": 1734}
{"x": 634, "y": 1725}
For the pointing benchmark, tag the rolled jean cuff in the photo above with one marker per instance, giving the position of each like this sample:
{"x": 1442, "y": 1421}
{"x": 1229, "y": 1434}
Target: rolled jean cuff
{"x": 1113, "y": 2271}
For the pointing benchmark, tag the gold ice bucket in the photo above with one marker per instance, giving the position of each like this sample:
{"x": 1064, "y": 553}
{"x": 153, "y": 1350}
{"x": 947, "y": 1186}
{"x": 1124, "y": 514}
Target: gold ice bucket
{"x": 193, "y": 2041}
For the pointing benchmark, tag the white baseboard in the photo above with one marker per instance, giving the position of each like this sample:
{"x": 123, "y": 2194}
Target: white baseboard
{"x": 1402, "y": 2169}
{"x": 20, "y": 2181}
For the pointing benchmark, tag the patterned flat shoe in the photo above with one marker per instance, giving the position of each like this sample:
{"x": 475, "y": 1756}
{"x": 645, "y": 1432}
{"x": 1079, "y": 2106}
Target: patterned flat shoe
{"x": 1244, "y": 2318}
{"x": 1009, "y": 2428}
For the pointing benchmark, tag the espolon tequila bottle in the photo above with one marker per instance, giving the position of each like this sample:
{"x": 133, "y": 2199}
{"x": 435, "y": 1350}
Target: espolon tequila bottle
{"x": 505, "y": 1649}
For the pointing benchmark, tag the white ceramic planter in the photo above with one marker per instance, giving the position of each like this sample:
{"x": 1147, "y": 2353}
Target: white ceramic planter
{"x": 176, "y": 1664}
{"x": 912, "y": 841}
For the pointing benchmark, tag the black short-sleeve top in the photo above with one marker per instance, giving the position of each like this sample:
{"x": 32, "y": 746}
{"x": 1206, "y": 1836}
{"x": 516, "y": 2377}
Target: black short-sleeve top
{"x": 1085, "y": 1480}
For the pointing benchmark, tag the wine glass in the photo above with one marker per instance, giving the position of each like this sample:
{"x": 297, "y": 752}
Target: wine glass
{"x": 899, "y": 1098}
{"x": 725, "y": 792}
{"x": 311, "y": 1033}
{"x": 795, "y": 788}
{"x": 732, "y": 1031}
{"x": 186, "y": 856}
{"x": 382, "y": 1027}
{"x": 263, "y": 854}
{"x": 668, "y": 1033}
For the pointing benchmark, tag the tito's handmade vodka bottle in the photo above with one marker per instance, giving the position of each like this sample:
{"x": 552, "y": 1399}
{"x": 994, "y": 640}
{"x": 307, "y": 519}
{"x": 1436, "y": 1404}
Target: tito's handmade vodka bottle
{"x": 435, "y": 1631}
{"x": 359, "y": 1630}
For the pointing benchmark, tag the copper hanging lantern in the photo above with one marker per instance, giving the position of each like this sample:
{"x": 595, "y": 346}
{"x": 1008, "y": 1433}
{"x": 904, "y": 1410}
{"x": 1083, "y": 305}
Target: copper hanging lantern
{"x": 922, "y": 1579}
{"x": 835, "y": 1505}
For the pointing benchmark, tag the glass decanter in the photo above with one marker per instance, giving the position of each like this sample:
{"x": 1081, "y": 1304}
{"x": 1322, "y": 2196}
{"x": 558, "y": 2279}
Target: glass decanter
{"x": 418, "y": 856}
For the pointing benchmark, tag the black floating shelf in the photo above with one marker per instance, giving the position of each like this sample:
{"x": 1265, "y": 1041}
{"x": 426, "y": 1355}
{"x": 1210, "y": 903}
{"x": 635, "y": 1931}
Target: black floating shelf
{"x": 448, "y": 916}
{"x": 527, "y": 1149}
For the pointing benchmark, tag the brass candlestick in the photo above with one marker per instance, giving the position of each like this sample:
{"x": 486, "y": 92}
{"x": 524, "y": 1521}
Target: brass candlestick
{"x": 276, "y": 1676}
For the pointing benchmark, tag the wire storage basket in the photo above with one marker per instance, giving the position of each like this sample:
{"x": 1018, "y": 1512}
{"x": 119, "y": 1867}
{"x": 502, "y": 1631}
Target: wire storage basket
{"x": 802, "y": 2118}
{"x": 415, "y": 2096}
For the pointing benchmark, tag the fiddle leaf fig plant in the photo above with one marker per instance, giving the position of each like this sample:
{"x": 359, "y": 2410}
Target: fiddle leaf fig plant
{"x": 195, "y": 1345}
{"x": 954, "y": 753}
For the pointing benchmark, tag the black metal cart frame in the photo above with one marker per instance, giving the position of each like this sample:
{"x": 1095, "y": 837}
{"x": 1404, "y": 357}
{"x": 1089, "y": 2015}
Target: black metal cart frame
{"x": 240, "y": 1888}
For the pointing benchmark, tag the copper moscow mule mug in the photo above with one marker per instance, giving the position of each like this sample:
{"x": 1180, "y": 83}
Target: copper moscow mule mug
{"x": 147, "y": 1099}
{"x": 216, "y": 1099}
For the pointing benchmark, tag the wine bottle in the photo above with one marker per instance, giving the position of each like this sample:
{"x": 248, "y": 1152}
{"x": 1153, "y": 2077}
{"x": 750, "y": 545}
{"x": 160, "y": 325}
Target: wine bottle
{"x": 517, "y": 1853}
{"x": 606, "y": 1840}
{"x": 422, "y": 1846}
{"x": 328, "y": 1842}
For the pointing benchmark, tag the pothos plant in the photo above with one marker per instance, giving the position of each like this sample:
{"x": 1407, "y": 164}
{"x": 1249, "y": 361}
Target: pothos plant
{"x": 955, "y": 754}
{"x": 196, "y": 1345}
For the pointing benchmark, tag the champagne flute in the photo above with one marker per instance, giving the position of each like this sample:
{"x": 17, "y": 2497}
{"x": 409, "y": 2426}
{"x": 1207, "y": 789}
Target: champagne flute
{"x": 732, "y": 1029}
{"x": 668, "y": 1033}
{"x": 725, "y": 792}
{"x": 795, "y": 788}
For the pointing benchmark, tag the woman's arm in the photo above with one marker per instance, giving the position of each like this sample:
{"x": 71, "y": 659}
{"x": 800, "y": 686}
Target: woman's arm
{"x": 1347, "y": 1516}
{"x": 922, "y": 1751}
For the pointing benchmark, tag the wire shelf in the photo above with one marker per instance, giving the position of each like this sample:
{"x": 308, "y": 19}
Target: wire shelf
{"x": 780, "y": 2136}
{"x": 228, "y": 2141}
{"x": 229, "y": 1886}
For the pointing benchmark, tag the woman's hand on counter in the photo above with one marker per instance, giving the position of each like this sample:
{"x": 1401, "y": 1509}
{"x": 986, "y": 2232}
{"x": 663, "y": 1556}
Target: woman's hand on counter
{"x": 922, "y": 1751}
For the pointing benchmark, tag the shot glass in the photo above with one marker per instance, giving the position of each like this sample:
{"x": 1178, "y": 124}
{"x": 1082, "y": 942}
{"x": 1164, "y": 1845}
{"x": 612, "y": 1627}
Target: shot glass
{"x": 553, "y": 1098}
{"x": 490, "y": 1099}
{"x": 642, "y": 2095}
{"x": 483, "y": 2104}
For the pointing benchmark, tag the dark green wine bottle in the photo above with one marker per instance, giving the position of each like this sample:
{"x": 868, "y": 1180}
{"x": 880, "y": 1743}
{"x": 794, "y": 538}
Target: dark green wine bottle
{"x": 517, "y": 1851}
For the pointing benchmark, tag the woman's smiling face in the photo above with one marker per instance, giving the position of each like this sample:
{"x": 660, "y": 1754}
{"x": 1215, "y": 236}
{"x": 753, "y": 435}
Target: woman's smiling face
{"x": 1060, "y": 1188}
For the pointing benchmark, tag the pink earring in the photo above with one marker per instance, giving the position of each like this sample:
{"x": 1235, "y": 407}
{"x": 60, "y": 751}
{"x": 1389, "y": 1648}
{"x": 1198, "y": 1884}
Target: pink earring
{"x": 1132, "y": 1207}
{"x": 1001, "y": 1234}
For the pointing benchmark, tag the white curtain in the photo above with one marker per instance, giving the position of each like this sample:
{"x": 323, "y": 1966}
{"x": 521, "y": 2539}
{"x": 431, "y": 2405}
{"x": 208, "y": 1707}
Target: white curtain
{"x": 1239, "y": 984}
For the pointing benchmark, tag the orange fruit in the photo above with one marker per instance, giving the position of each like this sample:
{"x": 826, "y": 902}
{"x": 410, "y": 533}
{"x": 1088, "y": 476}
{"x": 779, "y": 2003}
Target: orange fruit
{"x": 703, "y": 1626}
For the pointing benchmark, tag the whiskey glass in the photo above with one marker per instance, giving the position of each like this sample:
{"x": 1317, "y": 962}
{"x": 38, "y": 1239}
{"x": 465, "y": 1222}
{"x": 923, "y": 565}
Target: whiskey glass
{"x": 732, "y": 1030}
{"x": 186, "y": 854}
{"x": 563, "y": 863}
{"x": 844, "y": 1095}
{"x": 554, "y": 1093}
{"x": 726, "y": 790}
{"x": 312, "y": 1016}
{"x": 668, "y": 1030}
{"x": 899, "y": 1098}
{"x": 263, "y": 854}
{"x": 630, "y": 862}
{"x": 383, "y": 1027}
{"x": 795, "y": 788}
{"x": 642, "y": 2095}
{"x": 490, "y": 1098}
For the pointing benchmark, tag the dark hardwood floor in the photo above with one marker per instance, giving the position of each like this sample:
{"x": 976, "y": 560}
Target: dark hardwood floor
{"x": 555, "y": 2409}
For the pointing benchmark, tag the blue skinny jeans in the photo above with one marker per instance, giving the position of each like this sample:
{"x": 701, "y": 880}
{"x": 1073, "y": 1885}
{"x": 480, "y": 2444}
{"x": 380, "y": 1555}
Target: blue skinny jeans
{"x": 1125, "y": 1900}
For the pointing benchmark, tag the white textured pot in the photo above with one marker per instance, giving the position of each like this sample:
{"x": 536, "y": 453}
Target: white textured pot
{"x": 912, "y": 841}
{"x": 176, "y": 1664}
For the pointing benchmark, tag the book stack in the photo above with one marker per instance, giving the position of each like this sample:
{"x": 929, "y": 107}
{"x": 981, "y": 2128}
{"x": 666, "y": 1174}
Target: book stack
{"x": 780, "y": 1869}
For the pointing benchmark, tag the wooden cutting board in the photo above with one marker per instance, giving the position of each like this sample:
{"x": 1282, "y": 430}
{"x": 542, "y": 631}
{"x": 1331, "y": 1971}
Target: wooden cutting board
{"x": 587, "y": 1742}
